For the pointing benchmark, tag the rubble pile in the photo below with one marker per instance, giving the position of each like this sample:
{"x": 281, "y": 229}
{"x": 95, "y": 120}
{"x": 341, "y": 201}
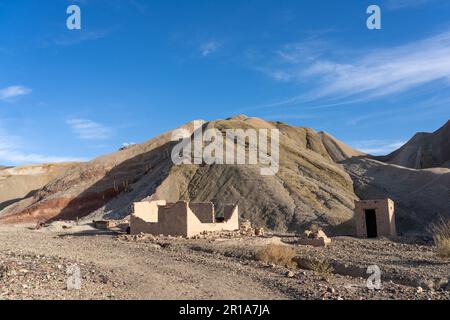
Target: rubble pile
{"x": 247, "y": 230}
{"x": 111, "y": 224}
{"x": 137, "y": 237}
{"x": 315, "y": 237}
{"x": 217, "y": 234}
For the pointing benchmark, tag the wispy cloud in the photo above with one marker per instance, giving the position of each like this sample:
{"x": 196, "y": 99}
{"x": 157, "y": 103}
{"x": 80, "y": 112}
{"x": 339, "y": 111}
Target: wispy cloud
{"x": 401, "y": 4}
{"x": 368, "y": 116}
{"x": 89, "y": 130}
{"x": 16, "y": 157}
{"x": 377, "y": 147}
{"x": 209, "y": 47}
{"x": 140, "y": 7}
{"x": 79, "y": 37}
{"x": 13, "y": 91}
{"x": 12, "y": 152}
{"x": 364, "y": 75}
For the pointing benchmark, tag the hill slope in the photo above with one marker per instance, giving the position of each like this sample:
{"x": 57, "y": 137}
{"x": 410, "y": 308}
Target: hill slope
{"x": 338, "y": 150}
{"x": 309, "y": 186}
{"x": 18, "y": 182}
{"x": 421, "y": 196}
{"x": 424, "y": 150}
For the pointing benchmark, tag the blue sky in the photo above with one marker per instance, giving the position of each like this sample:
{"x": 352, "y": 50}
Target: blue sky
{"x": 139, "y": 68}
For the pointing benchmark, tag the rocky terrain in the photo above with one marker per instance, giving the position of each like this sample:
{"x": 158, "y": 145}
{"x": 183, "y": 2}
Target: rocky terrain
{"x": 115, "y": 266}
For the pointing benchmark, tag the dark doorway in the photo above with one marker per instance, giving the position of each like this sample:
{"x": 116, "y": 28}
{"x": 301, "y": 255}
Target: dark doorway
{"x": 371, "y": 224}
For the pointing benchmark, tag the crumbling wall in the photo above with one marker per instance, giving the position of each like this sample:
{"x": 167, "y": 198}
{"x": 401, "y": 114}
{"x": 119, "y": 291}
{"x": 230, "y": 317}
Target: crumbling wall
{"x": 231, "y": 212}
{"x": 180, "y": 219}
{"x": 148, "y": 210}
{"x": 195, "y": 226}
{"x": 172, "y": 220}
{"x": 204, "y": 211}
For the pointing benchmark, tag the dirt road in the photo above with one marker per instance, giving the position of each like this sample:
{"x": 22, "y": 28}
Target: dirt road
{"x": 34, "y": 264}
{"x": 146, "y": 272}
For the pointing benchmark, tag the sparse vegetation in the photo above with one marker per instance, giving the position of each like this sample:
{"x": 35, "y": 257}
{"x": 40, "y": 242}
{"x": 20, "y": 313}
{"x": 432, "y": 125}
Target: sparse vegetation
{"x": 320, "y": 267}
{"x": 314, "y": 228}
{"x": 441, "y": 236}
{"x": 126, "y": 185}
{"x": 278, "y": 254}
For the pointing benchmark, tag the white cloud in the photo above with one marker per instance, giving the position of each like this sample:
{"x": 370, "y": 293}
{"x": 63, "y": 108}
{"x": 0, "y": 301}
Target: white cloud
{"x": 13, "y": 91}
{"x": 377, "y": 147}
{"x": 89, "y": 130}
{"x": 364, "y": 75}
{"x": 12, "y": 153}
{"x": 17, "y": 158}
{"x": 209, "y": 47}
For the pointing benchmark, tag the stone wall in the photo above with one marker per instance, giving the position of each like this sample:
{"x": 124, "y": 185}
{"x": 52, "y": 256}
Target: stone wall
{"x": 172, "y": 220}
{"x": 180, "y": 219}
{"x": 195, "y": 226}
{"x": 148, "y": 210}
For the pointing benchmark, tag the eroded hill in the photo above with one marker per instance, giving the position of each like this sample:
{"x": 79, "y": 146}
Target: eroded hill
{"x": 318, "y": 180}
{"x": 309, "y": 185}
{"x": 421, "y": 196}
{"x": 20, "y": 182}
{"x": 424, "y": 150}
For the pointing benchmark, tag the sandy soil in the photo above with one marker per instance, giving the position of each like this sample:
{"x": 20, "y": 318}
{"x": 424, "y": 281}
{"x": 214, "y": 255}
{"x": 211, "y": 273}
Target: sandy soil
{"x": 33, "y": 265}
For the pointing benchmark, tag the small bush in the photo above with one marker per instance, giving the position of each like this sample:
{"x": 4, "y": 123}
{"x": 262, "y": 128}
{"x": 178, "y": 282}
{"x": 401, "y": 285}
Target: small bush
{"x": 278, "y": 254}
{"x": 314, "y": 228}
{"x": 321, "y": 267}
{"x": 441, "y": 236}
{"x": 444, "y": 248}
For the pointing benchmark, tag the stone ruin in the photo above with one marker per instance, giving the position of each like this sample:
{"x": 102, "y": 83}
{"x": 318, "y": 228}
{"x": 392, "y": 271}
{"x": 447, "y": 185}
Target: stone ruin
{"x": 375, "y": 218}
{"x": 182, "y": 218}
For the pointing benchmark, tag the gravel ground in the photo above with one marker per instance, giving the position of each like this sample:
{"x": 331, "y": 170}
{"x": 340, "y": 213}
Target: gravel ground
{"x": 33, "y": 265}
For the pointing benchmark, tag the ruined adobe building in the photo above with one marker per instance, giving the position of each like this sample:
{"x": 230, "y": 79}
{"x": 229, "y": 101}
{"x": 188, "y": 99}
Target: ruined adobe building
{"x": 181, "y": 218}
{"x": 375, "y": 218}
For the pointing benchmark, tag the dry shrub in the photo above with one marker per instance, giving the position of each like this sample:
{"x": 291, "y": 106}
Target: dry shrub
{"x": 278, "y": 254}
{"x": 441, "y": 236}
{"x": 321, "y": 267}
{"x": 314, "y": 228}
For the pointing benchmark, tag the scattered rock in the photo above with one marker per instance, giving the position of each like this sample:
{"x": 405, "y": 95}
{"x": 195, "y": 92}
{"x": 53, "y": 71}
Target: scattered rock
{"x": 441, "y": 284}
{"x": 427, "y": 284}
{"x": 290, "y": 274}
{"x": 259, "y": 231}
{"x": 104, "y": 279}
